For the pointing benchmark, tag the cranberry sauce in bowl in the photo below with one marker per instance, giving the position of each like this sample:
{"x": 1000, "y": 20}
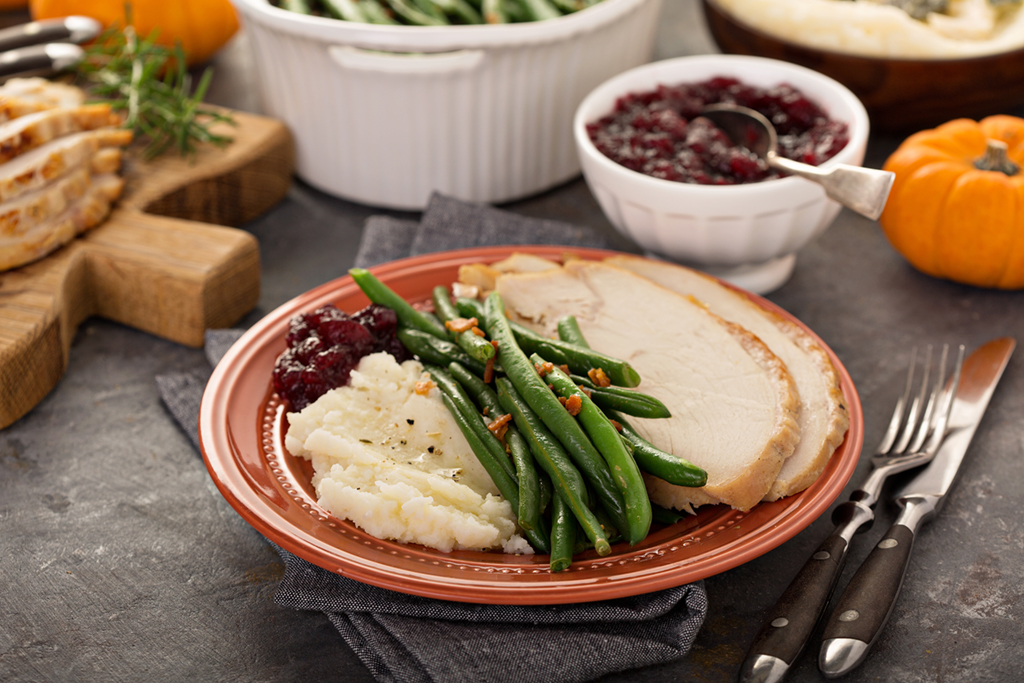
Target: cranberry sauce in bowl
{"x": 660, "y": 132}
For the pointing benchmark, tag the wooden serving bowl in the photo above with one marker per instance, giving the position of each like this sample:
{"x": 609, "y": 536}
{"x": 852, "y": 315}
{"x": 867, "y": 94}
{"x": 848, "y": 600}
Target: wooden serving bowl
{"x": 900, "y": 95}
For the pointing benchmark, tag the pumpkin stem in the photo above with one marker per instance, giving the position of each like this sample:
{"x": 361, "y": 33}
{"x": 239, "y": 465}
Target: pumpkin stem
{"x": 995, "y": 159}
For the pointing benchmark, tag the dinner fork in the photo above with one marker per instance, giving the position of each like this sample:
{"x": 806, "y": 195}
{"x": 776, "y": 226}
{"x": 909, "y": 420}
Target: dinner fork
{"x": 912, "y": 438}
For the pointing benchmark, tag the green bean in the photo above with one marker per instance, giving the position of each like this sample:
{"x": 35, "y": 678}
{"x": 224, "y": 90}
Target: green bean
{"x": 379, "y": 293}
{"x": 569, "y": 6}
{"x": 580, "y": 359}
{"x": 664, "y": 515}
{"x": 531, "y": 503}
{"x": 628, "y": 401}
{"x": 349, "y": 10}
{"x": 563, "y": 534}
{"x": 469, "y": 308}
{"x": 541, "y": 10}
{"x": 529, "y": 482}
{"x": 375, "y": 12}
{"x": 657, "y": 462}
{"x": 477, "y": 421}
{"x": 461, "y": 9}
{"x": 494, "y": 12}
{"x": 476, "y": 346}
{"x": 606, "y": 439}
{"x": 431, "y": 9}
{"x": 481, "y": 392}
{"x": 545, "y": 490}
{"x": 569, "y": 331}
{"x": 299, "y": 6}
{"x": 539, "y": 538}
{"x": 436, "y": 351}
{"x": 542, "y": 402}
{"x": 552, "y": 458}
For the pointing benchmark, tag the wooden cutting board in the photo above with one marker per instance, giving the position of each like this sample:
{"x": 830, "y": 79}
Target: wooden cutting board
{"x": 163, "y": 262}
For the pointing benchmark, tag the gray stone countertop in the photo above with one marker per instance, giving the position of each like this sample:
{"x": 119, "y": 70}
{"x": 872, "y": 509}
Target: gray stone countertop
{"x": 120, "y": 561}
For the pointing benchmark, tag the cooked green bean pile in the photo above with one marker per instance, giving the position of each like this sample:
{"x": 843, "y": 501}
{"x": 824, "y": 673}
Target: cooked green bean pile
{"x": 555, "y": 444}
{"x": 436, "y": 12}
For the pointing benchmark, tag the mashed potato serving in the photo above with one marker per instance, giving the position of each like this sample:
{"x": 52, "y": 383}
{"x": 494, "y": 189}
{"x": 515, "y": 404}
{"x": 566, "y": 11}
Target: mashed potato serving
{"x": 388, "y": 457}
{"x": 877, "y": 28}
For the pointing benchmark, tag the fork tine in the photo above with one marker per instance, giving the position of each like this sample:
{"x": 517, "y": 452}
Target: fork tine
{"x": 916, "y": 407}
{"x": 897, "y": 414}
{"x": 928, "y": 420}
{"x": 946, "y": 409}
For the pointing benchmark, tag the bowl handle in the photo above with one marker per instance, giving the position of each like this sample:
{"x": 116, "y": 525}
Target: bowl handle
{"x": 372, "y": 61}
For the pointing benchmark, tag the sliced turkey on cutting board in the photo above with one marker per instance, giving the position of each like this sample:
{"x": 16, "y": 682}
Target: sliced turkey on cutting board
{"x": 19, "y": 135}
{"x": 21, "y": 96}
{"x": 734, "y": 404}
{"x": 36, "y": 168}
{"x": 823, "y": 417}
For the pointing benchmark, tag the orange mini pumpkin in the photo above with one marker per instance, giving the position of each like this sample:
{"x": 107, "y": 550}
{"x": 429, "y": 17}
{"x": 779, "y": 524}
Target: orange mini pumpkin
{"x": 202, "y": 26}
{"x": 956, "y": 209}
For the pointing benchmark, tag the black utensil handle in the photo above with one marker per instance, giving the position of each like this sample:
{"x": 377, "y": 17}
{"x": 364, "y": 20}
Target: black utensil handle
{"x": 75, "y": 29}
{"x": 864, "y": 607}
{"x": 38, "y": 59}
{"x": 792, "y": 620}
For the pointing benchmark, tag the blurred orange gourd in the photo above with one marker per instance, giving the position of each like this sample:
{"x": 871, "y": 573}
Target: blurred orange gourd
{"x": 956, "y": 210}
{"x": 202, "y": 26}
{"x": 7, "y": 5}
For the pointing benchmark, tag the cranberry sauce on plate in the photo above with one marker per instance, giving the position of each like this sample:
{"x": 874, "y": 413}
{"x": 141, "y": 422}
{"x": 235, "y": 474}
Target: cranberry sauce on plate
{"x": 326, "y": 345}
{"x": 661, "y": 133}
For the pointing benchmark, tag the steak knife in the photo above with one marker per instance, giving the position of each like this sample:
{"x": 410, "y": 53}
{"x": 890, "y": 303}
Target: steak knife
{"x": 864, "y": 607}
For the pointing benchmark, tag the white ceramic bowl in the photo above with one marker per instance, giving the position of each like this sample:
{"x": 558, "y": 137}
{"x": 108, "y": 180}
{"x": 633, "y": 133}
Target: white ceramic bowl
{"x": 386, "y": 115}
{"x": 747, "y": 234}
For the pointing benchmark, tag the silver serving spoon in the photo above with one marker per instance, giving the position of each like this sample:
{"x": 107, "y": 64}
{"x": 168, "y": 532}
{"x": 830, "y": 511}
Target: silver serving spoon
{"x": 862, "y": 189}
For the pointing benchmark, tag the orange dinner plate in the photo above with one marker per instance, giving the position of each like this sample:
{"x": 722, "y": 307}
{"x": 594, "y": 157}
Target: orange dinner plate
{"x": 242, "y": 426}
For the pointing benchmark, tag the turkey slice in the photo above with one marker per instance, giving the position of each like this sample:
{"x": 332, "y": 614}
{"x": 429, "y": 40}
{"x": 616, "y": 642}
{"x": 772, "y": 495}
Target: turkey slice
{"x": 21, "y": 96}
{"x": 85, "y": 213}
{"x": 21, "y": 215}
{"x": 823, "y": 416}
{"x": 42, "y": 165}
{"x": 19, "y": 135}
{"x": 734, "y": 406}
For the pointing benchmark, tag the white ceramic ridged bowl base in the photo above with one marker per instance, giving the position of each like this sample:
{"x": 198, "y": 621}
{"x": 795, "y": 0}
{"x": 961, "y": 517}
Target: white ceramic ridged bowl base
{"x": 746, "y": 234}
{"x": 387, "y": 115}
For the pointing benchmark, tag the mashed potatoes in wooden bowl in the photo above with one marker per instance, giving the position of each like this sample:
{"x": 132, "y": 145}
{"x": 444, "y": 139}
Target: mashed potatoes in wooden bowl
{"x": 913, "y": 67}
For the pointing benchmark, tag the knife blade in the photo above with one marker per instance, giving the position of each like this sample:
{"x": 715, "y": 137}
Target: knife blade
{"x": 67, "y": 29}
{"x": 791, "y": 621}
{"x": 865, "y": 606}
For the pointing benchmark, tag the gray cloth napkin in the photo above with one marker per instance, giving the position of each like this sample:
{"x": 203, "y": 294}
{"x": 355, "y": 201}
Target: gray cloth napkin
{"x": 408, "y": 639}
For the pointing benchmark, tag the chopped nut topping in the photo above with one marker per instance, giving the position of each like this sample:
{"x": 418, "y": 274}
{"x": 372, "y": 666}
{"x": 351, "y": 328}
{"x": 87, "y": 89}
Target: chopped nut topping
{"x": 598, "y": 377}
{"x": 618, "y": 426}
{"x": 585, "y": 390}
{"x": 573, "y": 404}
{"x": 478, "y": 332}
{"x": 461, "y": 324}
{"x": 500, "y": 426}
{"x": 424, "y": 386}
{"x": 489, "y": 369}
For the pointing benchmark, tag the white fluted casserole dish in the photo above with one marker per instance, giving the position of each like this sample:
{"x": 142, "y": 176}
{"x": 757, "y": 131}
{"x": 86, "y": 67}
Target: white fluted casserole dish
{"x": 386, "y": 115}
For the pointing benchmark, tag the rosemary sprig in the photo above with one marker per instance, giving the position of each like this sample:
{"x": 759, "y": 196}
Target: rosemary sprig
{"x": 151, "y": 85}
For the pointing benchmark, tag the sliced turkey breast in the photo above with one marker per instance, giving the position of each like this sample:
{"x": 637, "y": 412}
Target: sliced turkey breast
{"x": 20, "y": 96}
{"x": 734, "y": 406}
{"x": 823, "y": 416}
{"x": 19, "y": 135}
{"x": 19, "y": 216}
{"x": 86, "y": 212}
{"x": 42, "y": 165}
